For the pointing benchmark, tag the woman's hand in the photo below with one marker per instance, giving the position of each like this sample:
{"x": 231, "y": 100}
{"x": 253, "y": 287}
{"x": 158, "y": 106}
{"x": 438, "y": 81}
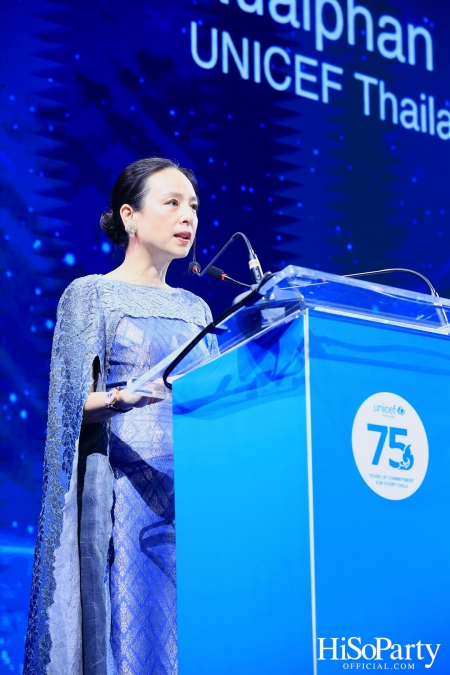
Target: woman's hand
{"x": 95, "y": 410}
{"x": 126, "y": 399}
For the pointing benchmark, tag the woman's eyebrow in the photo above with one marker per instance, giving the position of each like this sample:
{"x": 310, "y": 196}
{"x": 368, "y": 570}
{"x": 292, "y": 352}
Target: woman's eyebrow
{"x": 173, "y": 194}
{"x": 179, "y": 195}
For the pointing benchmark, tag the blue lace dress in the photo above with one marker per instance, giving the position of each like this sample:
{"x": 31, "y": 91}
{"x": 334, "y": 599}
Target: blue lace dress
{"x": 143, "y": 598}
{"x": 108, "y": 606}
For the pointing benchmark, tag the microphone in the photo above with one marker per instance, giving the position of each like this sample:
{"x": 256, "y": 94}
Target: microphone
{"x": 214, "y": 272}
{"x": 220, "y": 275}
{"x": 194, "y": 268}
{"x": 391, "y": 270}
{"x": 253, "y": 262}
{"x": 440, "y": 311}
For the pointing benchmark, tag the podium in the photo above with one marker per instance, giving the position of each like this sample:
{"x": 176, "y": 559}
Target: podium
{"x": 312, "y": 495}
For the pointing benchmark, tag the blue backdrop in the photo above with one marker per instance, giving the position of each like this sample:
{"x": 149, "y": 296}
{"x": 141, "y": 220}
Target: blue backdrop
{"x": 319, "y": 128}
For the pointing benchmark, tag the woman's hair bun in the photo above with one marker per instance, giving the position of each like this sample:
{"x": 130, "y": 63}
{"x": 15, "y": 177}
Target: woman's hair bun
{"x": 106, "y": 220}
{"x": 114, "y": 231}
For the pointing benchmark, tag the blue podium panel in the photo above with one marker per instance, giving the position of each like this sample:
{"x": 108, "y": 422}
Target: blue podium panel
{"x": 312, "y": 501}
{"x": 379, "y": 399}
{"x": 241, "y": 485}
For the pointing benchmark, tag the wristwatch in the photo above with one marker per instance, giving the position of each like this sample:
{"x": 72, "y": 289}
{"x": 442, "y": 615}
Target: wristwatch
{"x": 111, "y": 398}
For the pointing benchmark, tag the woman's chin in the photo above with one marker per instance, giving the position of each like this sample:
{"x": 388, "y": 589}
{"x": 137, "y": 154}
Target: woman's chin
{"x": 182, "y": 252}
{"x": 170, "y": 253}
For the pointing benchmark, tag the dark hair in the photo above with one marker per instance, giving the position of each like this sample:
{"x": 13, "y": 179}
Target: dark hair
{"x": 130, "y": 188}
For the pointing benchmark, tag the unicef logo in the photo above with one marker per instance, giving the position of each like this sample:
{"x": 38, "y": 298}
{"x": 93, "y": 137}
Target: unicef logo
{"x": 391, "y": 454}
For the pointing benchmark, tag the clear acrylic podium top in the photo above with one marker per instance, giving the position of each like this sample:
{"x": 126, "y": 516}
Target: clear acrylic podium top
{"x": 287, "y": 295}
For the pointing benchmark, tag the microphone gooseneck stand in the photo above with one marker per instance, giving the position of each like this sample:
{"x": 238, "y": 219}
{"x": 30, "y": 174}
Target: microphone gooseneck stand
{"x": 439, "y": 309}
{"x": 217, "y": 273}
{"x": 253, "y": 263}
{"x": 259, "y": 281}
{"x": 390, "y": 270}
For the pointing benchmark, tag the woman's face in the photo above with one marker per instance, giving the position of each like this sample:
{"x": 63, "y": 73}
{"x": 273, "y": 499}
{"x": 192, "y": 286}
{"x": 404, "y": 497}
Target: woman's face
{"x": 167, "y": 222}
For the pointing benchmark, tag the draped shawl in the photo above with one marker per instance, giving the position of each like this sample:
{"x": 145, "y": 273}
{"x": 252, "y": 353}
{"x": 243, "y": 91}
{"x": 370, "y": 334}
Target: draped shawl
{"x": 86, "y": 323}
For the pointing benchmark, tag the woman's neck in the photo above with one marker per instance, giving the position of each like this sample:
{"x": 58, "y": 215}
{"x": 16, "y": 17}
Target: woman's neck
{"x": 139, "y": 267}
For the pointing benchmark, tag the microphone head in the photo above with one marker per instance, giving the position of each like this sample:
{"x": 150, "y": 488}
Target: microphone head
{"x": 216, "y": 273}
{"x": 194, "y": 267}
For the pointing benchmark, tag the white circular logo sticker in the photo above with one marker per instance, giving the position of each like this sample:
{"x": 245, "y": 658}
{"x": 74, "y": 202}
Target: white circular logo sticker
{"x": 390, "y": 446}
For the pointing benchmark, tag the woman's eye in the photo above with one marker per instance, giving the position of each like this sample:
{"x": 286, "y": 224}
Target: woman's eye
{"x": 194, "y": 207}
{"x": 172, "y": 201}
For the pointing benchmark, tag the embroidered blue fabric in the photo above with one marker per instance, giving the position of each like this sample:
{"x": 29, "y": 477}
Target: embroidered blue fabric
{"x": 108, "y": 605}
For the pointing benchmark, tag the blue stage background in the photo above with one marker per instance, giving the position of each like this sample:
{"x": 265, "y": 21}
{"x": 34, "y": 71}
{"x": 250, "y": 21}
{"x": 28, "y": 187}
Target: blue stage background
{"x": 87, "y": 88}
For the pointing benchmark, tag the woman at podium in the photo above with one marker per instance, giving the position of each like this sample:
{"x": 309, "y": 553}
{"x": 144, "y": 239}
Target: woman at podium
{"x": 103, "y": 597}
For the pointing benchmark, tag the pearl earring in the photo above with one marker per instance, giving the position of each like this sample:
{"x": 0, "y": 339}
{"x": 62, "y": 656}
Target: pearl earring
{"x": 131, "y": 229}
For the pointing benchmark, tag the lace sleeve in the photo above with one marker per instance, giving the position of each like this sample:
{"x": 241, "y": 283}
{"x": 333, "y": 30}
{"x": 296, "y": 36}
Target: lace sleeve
{"x": 77, "y": 341}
